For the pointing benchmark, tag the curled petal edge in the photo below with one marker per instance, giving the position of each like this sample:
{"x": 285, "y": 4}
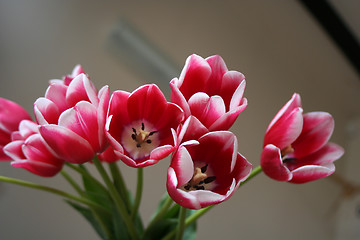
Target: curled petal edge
{"x": 272, "y": 165}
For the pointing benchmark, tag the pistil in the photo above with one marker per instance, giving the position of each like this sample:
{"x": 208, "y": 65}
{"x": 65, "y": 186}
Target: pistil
{"x": 142, "y": 136}
{"x": 199, "y": 179}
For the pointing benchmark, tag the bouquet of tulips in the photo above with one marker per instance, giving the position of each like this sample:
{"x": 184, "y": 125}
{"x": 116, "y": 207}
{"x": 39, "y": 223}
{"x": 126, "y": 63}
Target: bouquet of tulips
{"x": 76, "y": 125}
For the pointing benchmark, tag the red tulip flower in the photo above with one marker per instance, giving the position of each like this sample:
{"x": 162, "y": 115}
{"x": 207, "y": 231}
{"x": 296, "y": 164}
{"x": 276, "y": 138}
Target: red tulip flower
{"x": 139, "y": 125}
{"x": 207, "y": 170}
{"x": 296, "y": 147}
{"x": 208, "y": 91}
{"x": 28, "y": 150}
{"x": 11, "y": 114}
{"x": 72, "y": 117}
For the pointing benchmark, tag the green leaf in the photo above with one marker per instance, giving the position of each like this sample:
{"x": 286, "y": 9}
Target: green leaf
{"x": 161, "y": 203}
{"x": 160, "y": 229}
{"x": 169, "y": 222}
{"x": 190, "y": 232}
{"x": 88, "y": 215}
{"x": 120, "y": 229}
{"x": 97, "y": 193}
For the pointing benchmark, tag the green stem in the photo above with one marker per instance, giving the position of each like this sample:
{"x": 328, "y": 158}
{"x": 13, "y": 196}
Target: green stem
{"x": 119, "y": 183}
{"x": 72, "y": 183}
{"x": 98, "y": 218}
{"x": 117, "y": 199}
{"x": 82, "y": 170}
{"x": 54, "y": 191}
{"x": 161, "y": 213}
{"x": 253, "y": 173}
{"x": 181, "y": 224}
{"x": 139, "y": 189}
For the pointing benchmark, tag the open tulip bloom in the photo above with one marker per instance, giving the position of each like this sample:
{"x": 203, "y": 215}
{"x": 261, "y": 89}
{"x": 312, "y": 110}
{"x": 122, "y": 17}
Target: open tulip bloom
{"x": 78, "y": 126}
{"x": 296, "y": 147}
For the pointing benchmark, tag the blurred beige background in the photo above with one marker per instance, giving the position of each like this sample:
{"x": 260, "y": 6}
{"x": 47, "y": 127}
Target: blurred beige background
{"x": 276, "y": 44}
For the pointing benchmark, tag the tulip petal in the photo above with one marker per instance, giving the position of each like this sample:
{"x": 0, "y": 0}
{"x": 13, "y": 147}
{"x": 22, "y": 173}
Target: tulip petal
{"x": 191, "y": 129}
{"x": 108, "y": 155}
{"x": 46, "y": 111}
{"x": 215, "y": 80}
{"x": 38, "y": 168}
{"x": 82, "y": 119}
{"x": 27, "y": 128}
{"x": 39, "y": 159}
{"x": 135, "y": 163}
{"x": 178, "y": 98}
{"x": 171, "y": 116}
{"x": 161, "y": 152}
{"x": 227, "y": 120}
{"x": 179, "y": 196}
{"x": 327, "y": 154}
{"x": 293, "y": 103}
{"x": 284, "y": 131}
{"x": 194, "y": 76}
{"x": 183, "y": 166}
{"x": 102, "y": 109}
{"x": 11, "y": 114}
{"x": 142, "y": 101}
{"x": 316, "y": 132}
{"x": 118, "y": 112}
{"x": 204, "y": 198}
{"x": 312, "y": 172}
{"x": 14, "y": 151}
{"x": 113, "y": 142}
{"x": 272, "y": 165}
{"x": 68, "y": 145}
{"x": 230, "y": 83}
{"x": 81, "y": 89}
{"x": 56, "y": 93}
{"x": 206, "y": 109}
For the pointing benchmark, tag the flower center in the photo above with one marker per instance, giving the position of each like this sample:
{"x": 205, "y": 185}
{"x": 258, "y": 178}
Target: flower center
{"x": 141, "y": 137}
{"x": 286, "y": 150}
{"x": 200, "y": 179}
{"x": 287, "y": 158}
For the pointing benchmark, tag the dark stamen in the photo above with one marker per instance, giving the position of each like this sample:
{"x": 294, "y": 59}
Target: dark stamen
{"x": 204, "y": 168}
{"x": 142, "y": 126}
{"x": 151, "y": 133}
{"x": 138, "y": 145}
{"x": 133, "y": 136}
{"x": 289, "y": 160}
{"x": 187, "y": 187}
{"x": 209, "y": 179}
{"x": 134, "y": 130}
{"x": 199, "y": 187}
{"x": 148, "y": 141}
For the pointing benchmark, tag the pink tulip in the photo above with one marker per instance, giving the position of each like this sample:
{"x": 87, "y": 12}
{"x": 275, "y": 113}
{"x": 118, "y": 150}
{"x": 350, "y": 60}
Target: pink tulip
{"x": 72, "y": 117}
{"x": 208, "y": 91}
{"x": 29, "y": 151}
{"x": 139, "y": 125}
{"x": 62, "y": 95}
{"x": 207, "y": 170}
{"x": 296, "y": 147}
{"x": 11, "y": 114}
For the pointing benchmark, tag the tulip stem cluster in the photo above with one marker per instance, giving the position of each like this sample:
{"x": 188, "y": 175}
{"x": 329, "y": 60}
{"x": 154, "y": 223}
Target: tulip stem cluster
{"x": 120, "y": 206}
